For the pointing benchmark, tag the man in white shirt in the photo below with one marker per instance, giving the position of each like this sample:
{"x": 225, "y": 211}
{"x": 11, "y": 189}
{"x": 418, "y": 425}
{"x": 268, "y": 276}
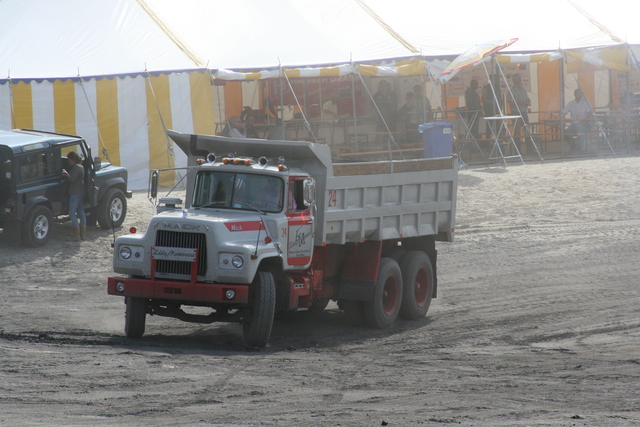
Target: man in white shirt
{"x": 330, "y": 108}
{"x": 234, "y": 129}
{"x": 237, "y": 128}
{"x": 580, "y": 115}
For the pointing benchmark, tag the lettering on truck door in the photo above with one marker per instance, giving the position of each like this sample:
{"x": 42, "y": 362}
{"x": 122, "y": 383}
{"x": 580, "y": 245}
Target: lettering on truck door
{"x": 300, "y": 224}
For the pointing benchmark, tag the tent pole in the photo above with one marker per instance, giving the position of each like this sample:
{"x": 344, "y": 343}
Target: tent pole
{"x": 170, "y": 153}
{"x": 423, "y": 85}
{"x": 627, "y": 109}
{"x": 433, "y": 85}
{"x": 562, "y": 100}
{"x": 304, "y": 117}
{"x": 13, "y": 111}
{"x": 353, "y": 104}
{"x": 223, "y": 116}
{"x": 105, "y": 152}
{"x": 630, "y": 126}
{"x": 281, "y": 101}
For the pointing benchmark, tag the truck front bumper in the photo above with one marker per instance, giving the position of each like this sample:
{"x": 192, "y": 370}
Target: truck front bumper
{"x": 184, "y": 292}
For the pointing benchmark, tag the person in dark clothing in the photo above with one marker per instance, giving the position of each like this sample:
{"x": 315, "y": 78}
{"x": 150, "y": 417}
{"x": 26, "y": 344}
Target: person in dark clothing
{"x": 387, "y": 103}
{"x": 474, "y": 106}
{"x": 75, "y": 175}
{"x": 249, "y": 123}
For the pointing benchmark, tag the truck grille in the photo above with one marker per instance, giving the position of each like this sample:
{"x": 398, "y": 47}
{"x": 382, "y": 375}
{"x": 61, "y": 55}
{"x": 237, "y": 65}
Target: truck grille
{"x": 177, "y": 239}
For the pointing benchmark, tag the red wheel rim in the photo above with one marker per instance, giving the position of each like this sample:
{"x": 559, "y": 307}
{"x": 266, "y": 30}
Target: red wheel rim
{"x": 390, "y": 295}
{"x": 421, "y": 287}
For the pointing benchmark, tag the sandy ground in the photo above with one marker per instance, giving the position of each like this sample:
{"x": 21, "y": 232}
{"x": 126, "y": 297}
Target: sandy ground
{"x": 537, "y": 323}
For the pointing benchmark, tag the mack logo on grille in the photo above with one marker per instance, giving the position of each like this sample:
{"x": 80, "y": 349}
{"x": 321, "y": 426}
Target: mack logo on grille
{"x": 179, "y": 226}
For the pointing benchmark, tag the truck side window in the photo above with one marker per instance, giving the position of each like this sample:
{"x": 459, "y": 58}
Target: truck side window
{"x": 296, "y": 202}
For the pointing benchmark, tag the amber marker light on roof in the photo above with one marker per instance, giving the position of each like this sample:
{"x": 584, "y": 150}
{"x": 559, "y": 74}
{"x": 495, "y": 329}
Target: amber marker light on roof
{"x": 247, "y": 162}
{"x": 225, "y": 160}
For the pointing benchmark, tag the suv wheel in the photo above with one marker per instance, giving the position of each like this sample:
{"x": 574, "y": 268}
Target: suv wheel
{"x": 112, "y": 209}
{"x": 38, "y": 226}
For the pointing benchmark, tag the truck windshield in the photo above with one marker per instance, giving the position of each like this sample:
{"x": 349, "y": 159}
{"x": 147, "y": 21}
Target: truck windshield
{"x": 238, "y": 191}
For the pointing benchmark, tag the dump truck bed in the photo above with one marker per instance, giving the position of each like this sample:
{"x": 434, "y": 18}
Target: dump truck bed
{"x": 389, "y": 200}
{"x": 357, "y": 201}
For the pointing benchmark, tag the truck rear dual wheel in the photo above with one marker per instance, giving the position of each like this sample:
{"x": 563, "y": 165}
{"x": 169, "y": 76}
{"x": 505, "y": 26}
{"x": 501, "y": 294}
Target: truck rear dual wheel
{"x": 112, "y": 209}
{"x": 417, "y": 276}
{"x": 135, "y": 316}
{"x": 38, "y": 227}
{"x": 383, "y": 310}
{"x": 256, "y": 326}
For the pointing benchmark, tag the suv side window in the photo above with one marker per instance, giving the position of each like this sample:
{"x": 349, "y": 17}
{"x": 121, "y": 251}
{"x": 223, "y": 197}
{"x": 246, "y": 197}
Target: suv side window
{"x": 36, "y": 166}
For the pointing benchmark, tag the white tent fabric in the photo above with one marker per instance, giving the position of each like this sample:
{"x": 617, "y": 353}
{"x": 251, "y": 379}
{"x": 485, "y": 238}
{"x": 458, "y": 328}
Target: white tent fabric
{"x": 269, "y": 33}
{"x": 544, "y": 25}
{"x": 62, "y": 39}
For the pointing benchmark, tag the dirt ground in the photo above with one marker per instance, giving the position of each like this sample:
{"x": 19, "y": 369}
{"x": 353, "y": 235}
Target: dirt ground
{"x": 537, "y": 323}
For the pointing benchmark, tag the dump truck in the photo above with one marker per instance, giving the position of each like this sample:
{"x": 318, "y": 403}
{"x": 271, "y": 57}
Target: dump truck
{"x": 276, "y": 226}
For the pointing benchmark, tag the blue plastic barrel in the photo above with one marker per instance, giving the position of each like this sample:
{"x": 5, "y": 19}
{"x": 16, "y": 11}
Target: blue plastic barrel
{"x": 437, "y": 138}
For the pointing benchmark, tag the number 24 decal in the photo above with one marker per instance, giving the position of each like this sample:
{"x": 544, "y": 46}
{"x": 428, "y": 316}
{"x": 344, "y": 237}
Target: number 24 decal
{"x": 332, "y": 198}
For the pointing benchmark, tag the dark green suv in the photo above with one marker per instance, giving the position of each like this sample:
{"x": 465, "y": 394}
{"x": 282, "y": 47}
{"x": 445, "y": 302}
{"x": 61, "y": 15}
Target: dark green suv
{"x": 33, "y": 192}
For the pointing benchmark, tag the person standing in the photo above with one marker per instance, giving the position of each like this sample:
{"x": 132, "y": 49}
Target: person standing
{"x": 387, "y": 102}
{"x": 330, "y": 108}
{"x": 519, "y": 102}
{"x": 75, "y": 175}
{"x": 474, "y": 107}
{"x": 422, "y": 104}
{"x": 580, "y": 115}
{"x": 409, "y": 114}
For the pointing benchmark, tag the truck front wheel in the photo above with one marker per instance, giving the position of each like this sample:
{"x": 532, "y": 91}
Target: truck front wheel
{"x": 112, "y": 209}
{"x": 38, "y": 226}
{"x": 256, "y": 326}
{"x": 383, "y": 310}
{"x": 135, "y": 316}
{"x": 417, "y": 276}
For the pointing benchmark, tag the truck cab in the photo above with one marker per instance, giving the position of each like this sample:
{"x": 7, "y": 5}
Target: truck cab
{"x": 33, "y": 192}
{"x": 246, "y": 214}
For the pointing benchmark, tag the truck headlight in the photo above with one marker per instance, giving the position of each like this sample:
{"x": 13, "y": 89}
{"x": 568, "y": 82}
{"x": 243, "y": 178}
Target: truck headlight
{"x": 125, "y": 252}
{"x": 237, "y": 261}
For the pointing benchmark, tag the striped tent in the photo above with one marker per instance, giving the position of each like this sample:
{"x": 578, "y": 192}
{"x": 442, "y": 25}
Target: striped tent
{"x": 122, "y": 71}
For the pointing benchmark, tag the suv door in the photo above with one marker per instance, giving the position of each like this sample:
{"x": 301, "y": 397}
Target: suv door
{"x": 81, "y": 149}
{"x": 41, "y": 179}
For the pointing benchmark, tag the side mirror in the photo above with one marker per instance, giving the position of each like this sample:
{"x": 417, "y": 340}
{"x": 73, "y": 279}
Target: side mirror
{"x": 154, "y": 184}
{"x": 309, "y": 191}
{"x": 97, "y": 163}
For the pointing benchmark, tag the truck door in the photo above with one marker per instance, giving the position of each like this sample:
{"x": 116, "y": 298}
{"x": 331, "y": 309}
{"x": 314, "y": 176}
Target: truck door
{"x": 300, "y": 225}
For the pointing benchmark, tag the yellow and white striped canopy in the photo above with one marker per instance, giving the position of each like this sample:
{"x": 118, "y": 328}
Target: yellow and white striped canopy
{"x": 125, "y": 115}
